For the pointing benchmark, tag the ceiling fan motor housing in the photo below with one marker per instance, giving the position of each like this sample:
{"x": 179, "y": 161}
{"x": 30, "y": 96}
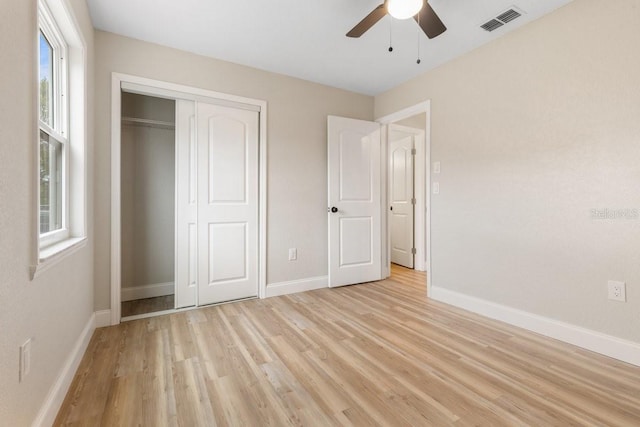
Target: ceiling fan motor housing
{"x": 424, "y": 15}
{"x": 403, "y": 9}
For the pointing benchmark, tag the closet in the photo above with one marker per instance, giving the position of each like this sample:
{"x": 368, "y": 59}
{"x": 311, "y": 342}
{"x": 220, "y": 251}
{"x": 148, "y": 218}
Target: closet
{"x": 148, "y": 203}
{"x": 189, "y": 201}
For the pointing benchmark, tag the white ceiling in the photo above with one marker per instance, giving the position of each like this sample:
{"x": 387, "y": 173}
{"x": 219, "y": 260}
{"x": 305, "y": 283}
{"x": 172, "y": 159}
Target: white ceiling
{"x": 306, "y": 38}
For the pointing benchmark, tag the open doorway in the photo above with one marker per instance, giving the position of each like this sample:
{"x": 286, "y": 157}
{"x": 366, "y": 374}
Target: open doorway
{"x": 407, "y": 151}
{"x": 402, "y": 165}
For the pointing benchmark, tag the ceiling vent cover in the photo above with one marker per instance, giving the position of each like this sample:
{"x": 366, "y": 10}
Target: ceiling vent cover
{"x": 501, "y": 19}
{"x": 509, "y": 15}
{"x": 491, "y": 25}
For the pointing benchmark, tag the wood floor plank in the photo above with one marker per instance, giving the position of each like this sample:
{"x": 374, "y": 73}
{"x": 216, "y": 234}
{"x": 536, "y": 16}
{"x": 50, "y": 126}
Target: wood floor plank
{"x": 121, "y": 409}
{"x": 159, "y": 403}
{"x": 378, "y": 353}
{"x": 328, "y": 394}
{"x": 191, "y": 394}
{"x": 300, "y": 405}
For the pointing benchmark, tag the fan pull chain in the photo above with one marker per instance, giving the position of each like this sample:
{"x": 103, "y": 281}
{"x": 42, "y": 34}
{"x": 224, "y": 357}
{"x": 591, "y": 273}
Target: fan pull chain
{"x": 390, "y": 33}
{"x": 419, "y": 31}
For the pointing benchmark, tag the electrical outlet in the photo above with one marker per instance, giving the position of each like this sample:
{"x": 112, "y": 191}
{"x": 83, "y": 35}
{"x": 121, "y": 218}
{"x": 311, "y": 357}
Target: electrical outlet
{"x": 25, "y": 359}
{"x": 293, "y": 254}
{"x": 617, "y": 291}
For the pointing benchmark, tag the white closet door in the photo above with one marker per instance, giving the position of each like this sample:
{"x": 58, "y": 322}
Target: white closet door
{"x": 227, "y": 203}
{"x": 401, "y": 199}
{"x": 186, "y": 271}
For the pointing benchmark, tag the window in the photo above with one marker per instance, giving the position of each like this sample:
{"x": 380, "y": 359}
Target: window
{"x": 53, "y": 123}
{"x": 60, "y": 157}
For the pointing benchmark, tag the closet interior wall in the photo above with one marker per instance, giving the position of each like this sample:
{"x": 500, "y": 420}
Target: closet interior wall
{"x": 148, "y": 196}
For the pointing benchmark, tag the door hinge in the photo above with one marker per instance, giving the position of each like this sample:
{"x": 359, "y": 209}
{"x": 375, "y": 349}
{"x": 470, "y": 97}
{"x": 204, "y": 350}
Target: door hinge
{"x": 413, "y": 201}
{"x": 413, "y": 251}
{"x": 413, "y": 151}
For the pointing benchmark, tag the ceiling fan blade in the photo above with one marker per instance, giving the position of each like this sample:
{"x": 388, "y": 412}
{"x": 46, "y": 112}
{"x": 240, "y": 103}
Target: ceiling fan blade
{"x": 429, "y": 21}
{"x": 369, "y": 21}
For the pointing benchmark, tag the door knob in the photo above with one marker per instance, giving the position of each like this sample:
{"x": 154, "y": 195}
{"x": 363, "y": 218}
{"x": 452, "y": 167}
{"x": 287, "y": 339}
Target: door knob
{"x": 333, "y": 209}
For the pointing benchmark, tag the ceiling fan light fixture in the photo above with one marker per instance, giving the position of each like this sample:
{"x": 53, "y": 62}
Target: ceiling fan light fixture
{"x": 404, "y": 9}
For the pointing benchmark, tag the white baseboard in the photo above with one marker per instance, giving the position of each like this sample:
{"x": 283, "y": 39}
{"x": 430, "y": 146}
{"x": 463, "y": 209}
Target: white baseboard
{"x": 147, "y": 291}
{"x": 627, "y": 351}
{"x": 103, "y": 318}
{"x": 49, "y": 410}
{"x": 293, "y": 286}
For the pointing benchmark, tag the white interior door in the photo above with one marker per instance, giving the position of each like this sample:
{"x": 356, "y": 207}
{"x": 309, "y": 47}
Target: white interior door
{"x": 354, "y": 201}
{"x": 227, "y": 203}
{"x": 401, "y": 198}
{"x": 186, "y": 256}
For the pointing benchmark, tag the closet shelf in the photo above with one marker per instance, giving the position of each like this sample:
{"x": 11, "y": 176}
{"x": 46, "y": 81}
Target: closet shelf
{"x": 147, "y": 122}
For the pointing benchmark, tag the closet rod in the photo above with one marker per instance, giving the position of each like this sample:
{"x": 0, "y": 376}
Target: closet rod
{"x": 147, "y": 122}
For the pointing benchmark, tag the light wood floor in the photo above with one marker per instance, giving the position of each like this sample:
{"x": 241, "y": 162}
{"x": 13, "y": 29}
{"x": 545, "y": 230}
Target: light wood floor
{"x": 372, "y": 354}
{"x": 147, "y": 305}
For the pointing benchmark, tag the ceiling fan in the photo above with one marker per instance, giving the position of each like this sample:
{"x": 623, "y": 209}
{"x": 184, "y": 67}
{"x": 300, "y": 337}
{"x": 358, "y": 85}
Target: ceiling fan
{"x": 403, "y": 9}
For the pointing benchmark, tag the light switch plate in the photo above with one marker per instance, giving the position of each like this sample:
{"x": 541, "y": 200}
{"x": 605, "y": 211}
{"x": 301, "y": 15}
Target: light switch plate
{"x": 436, "y": 188}
{"x": 436, "y": 167}
{"x": 25, "y": 359}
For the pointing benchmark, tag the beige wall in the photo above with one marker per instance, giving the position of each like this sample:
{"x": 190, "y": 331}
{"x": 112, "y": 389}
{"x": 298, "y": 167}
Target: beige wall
{"x": 54, "y": 308}
{"x": 419, "y": 121}
{"x": 297, "y": 114}
{"x": 533, "y": 131}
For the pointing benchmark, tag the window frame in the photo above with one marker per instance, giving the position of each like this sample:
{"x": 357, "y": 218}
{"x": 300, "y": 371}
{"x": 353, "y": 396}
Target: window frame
{"x": 63, "y": 29}
{"x": 59, "y": 128}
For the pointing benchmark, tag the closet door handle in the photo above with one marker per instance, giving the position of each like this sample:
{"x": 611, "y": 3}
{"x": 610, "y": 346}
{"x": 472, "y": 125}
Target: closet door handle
{"x": 332, "y": 209}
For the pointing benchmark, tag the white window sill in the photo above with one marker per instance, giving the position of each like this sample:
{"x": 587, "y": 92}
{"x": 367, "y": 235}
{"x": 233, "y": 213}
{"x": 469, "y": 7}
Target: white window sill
{"x": 51, "y": 255}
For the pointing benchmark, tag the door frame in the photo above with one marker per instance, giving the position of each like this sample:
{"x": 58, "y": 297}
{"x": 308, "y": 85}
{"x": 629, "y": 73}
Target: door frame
{"x": 422, "y": 168}
{"x": 163, "y": 89}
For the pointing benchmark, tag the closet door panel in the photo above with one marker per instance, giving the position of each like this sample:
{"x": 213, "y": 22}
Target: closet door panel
{"x": 228, "y": 147}
{"x": 227, "y": 252}
{"x": 227, "y": 203}
{"x": 186, "y": 205}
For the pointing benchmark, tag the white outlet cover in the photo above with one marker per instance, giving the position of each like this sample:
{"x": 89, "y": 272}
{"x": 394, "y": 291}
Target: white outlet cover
{"x": 617, "y": 291}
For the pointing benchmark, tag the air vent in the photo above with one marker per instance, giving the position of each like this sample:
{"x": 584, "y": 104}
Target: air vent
{"x": 509, "y": 16}
{"x": 501, "y": 19}
{"x": 491, "y": 25}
